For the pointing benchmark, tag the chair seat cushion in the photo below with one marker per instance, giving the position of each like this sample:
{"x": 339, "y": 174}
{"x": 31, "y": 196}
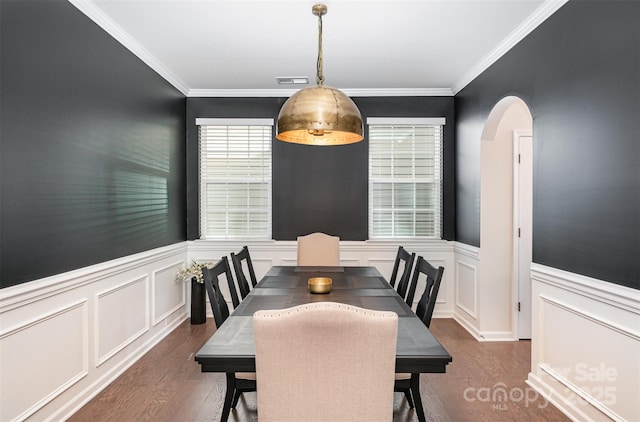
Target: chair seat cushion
{"x": 252, "y": 375}
{"x": 403, "y": 376}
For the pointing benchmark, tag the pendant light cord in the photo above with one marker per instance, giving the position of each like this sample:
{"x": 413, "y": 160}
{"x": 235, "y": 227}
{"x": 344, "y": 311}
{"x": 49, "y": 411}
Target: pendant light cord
{"x": 319, "y": 74}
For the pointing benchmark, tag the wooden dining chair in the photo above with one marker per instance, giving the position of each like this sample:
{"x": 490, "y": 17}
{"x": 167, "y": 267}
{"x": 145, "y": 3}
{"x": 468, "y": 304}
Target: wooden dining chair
{"x": 223, "y": 264}
{"x": 409, "y": 384}
{"x": 324, "y": 368}
{"x": 241, "y": 278}
{"x": 319, "y": 249}
{"x": 238, "y": 382}
{"x": 405, "y": 259}
{"x": 217, "y": 301}
{"x": 433, "y": 278}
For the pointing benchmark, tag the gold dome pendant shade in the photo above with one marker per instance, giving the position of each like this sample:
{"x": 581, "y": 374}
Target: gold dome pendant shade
{"x": 319, "y": 115}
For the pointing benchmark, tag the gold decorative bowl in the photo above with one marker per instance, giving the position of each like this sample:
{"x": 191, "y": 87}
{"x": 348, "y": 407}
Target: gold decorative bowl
{"x": 320, "y": 284}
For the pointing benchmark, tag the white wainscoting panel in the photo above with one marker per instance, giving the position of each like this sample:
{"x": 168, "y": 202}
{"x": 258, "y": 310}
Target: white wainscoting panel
{"x": 36, "y": 365}
{"x": 122, "y": 315}
{"x": 168, "y": 294}
{"x": 586, "y": 345}
{"x": 467, "y": 288}
{"x": 467, "y": 264}
{"x": 66, "y": 337}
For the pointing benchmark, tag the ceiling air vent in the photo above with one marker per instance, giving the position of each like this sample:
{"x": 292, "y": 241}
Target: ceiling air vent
{"x": 292, "y": 80}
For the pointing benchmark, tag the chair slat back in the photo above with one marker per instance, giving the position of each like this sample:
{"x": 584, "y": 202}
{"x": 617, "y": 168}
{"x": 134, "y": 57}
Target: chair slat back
{"x": 407, "y": 259}
{"x": 212, "y": 284}
{"x": 427, "y": 302}
{"x": 243, "y": 283}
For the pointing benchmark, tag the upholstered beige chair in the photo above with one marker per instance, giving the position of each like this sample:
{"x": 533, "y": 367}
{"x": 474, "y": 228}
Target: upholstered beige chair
{"x": 319, "y": 249}
{"x": 325, "y": 361}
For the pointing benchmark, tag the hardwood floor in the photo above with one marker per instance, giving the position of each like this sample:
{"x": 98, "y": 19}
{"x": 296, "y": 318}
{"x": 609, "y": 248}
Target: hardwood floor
{"x": 166, "y": 384}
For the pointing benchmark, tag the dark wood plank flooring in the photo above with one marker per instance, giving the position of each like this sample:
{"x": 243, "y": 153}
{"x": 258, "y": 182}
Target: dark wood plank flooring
{"x": 166, "y": 384}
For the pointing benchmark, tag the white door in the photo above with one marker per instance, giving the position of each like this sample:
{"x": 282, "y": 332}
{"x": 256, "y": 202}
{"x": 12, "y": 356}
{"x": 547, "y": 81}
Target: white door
{"x": 523, "y": 198}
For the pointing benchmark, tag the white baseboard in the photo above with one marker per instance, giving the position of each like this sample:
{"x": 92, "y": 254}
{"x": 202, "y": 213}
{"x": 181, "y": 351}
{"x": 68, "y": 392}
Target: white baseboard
{"x": 483, "y": 335}
{"x": 549, "y": 393}
{"x": 496, "y": 336}
{"x": 467, "y": 326}
{"x": 91, "y": 391}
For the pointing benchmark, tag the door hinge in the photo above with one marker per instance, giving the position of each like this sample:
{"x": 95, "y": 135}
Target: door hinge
{"x": 518, "y": 232}
{"x": 518, "y": 158}
{"x": 518, "y": 306}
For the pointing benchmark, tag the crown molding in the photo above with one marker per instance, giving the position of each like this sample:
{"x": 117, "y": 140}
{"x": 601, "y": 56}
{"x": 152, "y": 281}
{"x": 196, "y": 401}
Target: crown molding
{"x": 548, "y": 8}
{"x": 398, "y": 92}
{"x": 286, "y": 92}
{"x": 354, "y": 92}
{"x": 105, "y": 22}
{"x": 101, "y": 19}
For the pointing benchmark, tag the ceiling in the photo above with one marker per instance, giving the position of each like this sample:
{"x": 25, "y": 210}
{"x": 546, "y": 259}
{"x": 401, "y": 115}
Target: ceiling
{"x": 377, "y": 47}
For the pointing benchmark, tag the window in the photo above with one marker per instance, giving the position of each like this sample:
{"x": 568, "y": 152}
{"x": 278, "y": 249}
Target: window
{"x": 235, "y": 177}
{"x": 405, "y": 178}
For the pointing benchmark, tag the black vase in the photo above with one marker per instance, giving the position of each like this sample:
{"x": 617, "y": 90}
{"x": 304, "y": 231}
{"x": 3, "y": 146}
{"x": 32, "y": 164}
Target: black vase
{"x": 198, "y": 309}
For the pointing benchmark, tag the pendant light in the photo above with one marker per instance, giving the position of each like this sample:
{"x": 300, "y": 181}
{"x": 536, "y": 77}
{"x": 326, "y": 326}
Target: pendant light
{"x": 319, "y": 115}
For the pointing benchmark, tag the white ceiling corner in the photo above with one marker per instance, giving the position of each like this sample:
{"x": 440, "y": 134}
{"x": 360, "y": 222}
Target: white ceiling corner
{"x": 226, "y": 48}
{"x": 123, "y": 37}
{"x": 548, "y": 8}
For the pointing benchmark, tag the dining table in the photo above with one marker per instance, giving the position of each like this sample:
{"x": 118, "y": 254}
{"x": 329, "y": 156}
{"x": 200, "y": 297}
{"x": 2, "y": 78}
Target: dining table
{"x": 231, "y": 348}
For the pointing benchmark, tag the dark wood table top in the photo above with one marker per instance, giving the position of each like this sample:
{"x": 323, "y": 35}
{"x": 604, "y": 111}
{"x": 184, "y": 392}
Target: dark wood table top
{"x": 231, "y": 348}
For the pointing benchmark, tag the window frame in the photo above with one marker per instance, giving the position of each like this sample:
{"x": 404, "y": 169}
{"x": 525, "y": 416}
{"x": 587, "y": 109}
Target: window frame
{"x": 202, "y": 179}
{"x": 437, "y": 181}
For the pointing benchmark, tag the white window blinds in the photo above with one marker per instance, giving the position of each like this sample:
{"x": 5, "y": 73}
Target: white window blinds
{"x": 235, "y": 178}
{"x": 405, "y": 178}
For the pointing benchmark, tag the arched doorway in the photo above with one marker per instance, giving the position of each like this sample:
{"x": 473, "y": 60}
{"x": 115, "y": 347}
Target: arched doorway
{"x": 505, "y": 222}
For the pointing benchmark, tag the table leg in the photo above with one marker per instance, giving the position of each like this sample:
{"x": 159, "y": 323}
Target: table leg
{"x": 228, "y": 398}
{"x": 417, "y": 400}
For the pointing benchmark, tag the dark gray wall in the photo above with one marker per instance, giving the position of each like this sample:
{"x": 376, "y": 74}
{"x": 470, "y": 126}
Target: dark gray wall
{"x": 92, "y": 146}
{"x": 320, "y": 188}
{"x": 579, "y": 73}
